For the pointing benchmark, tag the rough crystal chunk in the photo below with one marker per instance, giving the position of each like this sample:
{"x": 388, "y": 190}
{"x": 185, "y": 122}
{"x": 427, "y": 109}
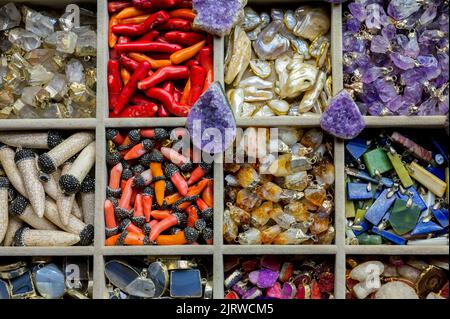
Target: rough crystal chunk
{"x": 75, "y": 71}
{"x": 24, "y": 39}
{"x": 66, "y": 41}
{"x": 217, "y": 17}
{"x": 38, "y": 23}
{"x": 343, "y": 118}
{"x": 9, "y": 16}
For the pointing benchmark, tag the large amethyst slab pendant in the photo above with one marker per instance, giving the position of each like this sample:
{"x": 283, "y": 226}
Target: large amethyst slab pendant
{"x": 217, "y": 17}
{"x": 211, "y": 122}
{"x": 343, "y": 118}
{"x": 263, "y": 278}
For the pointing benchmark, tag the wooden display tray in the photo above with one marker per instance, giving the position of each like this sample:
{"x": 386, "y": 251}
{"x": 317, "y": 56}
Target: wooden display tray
{"x": 217, "y": 251}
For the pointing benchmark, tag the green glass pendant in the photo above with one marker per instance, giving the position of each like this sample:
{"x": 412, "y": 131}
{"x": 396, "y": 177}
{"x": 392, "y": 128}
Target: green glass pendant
{"x": 403, "y": 219}
{"x": 368, "y": 239}
{"x": 377, "y": 161}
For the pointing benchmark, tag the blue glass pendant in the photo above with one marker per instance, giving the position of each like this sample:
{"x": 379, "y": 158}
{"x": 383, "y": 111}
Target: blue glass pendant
{"x": 120, "y": 274}
{"x": 379, "y": 208}
{"x": 4, "y": 291}
{"x": 425, "y": 227}
{"x": 437, "y": 171}
{"x": 159, "y": 274}
{"x": 356, "y": 147}
{"x": 22, "y": 285}
{"x": 441, "y": 148}
{"x": 49, "y": 281}
{"x": 389, "y": 236}
{"x": 366, "y": 177}
{"x": 186, "y": 283}
{"x": 441, "y": 216}
{"x": 365, "y": 226}
{"x": 416, "y": 198}
{"x": 359, "y": 191}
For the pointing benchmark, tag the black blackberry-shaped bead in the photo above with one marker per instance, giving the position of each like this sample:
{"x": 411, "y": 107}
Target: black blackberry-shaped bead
{"x": 113, "y": 158}
{"x": 170, "y": 188}
{"x": 23, "y": 154}
{"x": 187, "y": 167}
{"x": 87, "y": 235}
{"x": 4, "y": 182}
{"x": 145, "y": 159}
{"x": 135, "y": 135}
{"x": 88, "y": 184}
{"x": 18, "y": 205}
{"x": 54, "y": 138}
{"x": 69, "y": 184}
{"x": 111, "y": 134}
{"x": 170, "y": 170}
{"x": 207, "y": 233}
{"x": 207, "y": 214}
{"x": 161, "y": 134}
{"x": 156, "y": 156}
{"x": 191, "y": 234}
{"x": 147, "y": 144}
{"x": 46, "y": 163}
{"x": 149, "y": 191}
{"x": 127, "y": 174}
{"x": 137, "y": 169}
{"x": 200, "y": 224}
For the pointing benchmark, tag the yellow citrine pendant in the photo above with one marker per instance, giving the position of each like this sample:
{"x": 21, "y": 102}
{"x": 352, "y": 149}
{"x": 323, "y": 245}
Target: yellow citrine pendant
{"x": 400, "y": 169}
{"x": 433, "y": 183}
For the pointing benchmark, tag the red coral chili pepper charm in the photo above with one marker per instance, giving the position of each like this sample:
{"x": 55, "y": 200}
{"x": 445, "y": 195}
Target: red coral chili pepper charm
{"x": 115, "y": 176}
{"x": 173, "y": 173}
{"x": 115, "y": 136}
{"x": 114, "y": 81}
{"x": 209, "y": 79}
{"x": 155, "y": 4}
{"x": 198, "y": 76}
{"x": 110, "y": 218}
{"x": 168, "y": 73}
{"x": 149, "y": 36}
{"x": 162, "y": 112}
{"x": 138, "y": 206}
{"x": 148, "y": 46}
{"x": 161, "y": 214}
{"x": 168, "y": 102}
{"x": 131, "y": 86}
{"x": 175, "y": 157}
{"x": 183, "y": 14}
{"x": 139, "y": 150}
{"x": 208, "y": 194}
{"x": 162, "y": 40}
{"x": 199, "y": 172}
{"x": 192, "y": 216}
{"x": 148, "y": 110}
{"x": 201, "y": 204}
{"x": 130, "y": 64}
{"x": 176, "y": 24}
{"x": 127, "y": 193}
{"x": 184, "y": 38}
{"x": 172, "y": 220}
{"x": 205, "y": 58}
{"x": 116, "y": 6}
{"x": 133, "y": 30}
{"x": 147, "y": 202}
